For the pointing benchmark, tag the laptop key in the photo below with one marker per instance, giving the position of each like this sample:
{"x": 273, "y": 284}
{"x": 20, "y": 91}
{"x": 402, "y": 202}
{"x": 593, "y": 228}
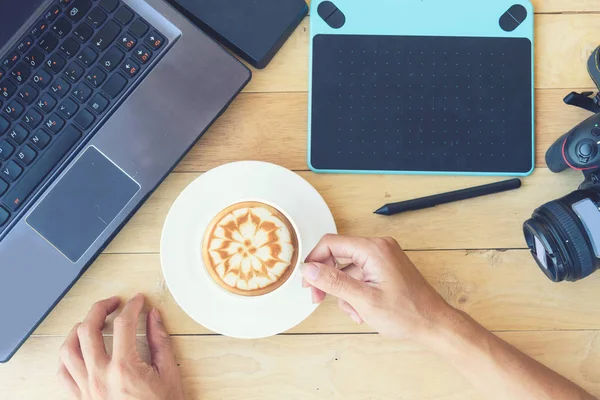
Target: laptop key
{"x": 142, "y": 54}
{"x": 96, "y": 17}
{"x": 69, "y": 47}
{"x": 45, "y": 163}
{"x": 98, "y": 103}
{"x": 138, "y": 28}
{"x": 48, "y": 43}
{"x": 46, "y": 103}
{"x": 25, "y": 44}
{"x": 6, "y": 150}
{"x": 40, "y": 139}
{"x": 18, "y": 134}
{"x": 74, "y": 72}
{"x": 87, "y": 56}
{"x": 130, "y": 68}
{"x": 3, "y": 187}
{"x": 127, "y": 41}
{"x": 109, "y": 5}
{"x": 65, "y": 3}
{"x": 38, "y": 29}
{"x": 84, "y": 119}
{"x": 68, "y": 108}
{"x": 56, "y": 63}
{"x": 61, "y": 27}
{"x": 4, "y": 215}
{"x": 26, "y": 155}
{"x": 106, "y": 36}
{"x": 124, "y": 15}
{"x": 41, "y": 78}
{"x": 114, "y": 85}
{"x": 79, "y": 8}
{"x": 13, "y": 109}
{"x": 28, "y": 93}
{"x": 7, "y": 89}
{"x": 95, "y": 77}
{"x": 11, "y": 171}
{"x": 21, "y": 72}
{"x": 4, "y": 124}
{"x": 83, "y": 32}
{"x": 53, "y": 13}
{"x": 35, "y": 57}
{"x": 111, "y": 59}
{"x": 10, "y": 60}
{"x": 82, "y": 92}
{"x": 54, "y": 124}
{"x": 154, "y": 40}
{"x": 32, "y": 118}
{"x": 60, "y": 88}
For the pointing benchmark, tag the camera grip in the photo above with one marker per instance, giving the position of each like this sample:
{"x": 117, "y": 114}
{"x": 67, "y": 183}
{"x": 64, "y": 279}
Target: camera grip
{"x": 554, "y": 156}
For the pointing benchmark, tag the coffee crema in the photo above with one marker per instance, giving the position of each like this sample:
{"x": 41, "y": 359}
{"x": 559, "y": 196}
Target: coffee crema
{"x": 250, "y": 249}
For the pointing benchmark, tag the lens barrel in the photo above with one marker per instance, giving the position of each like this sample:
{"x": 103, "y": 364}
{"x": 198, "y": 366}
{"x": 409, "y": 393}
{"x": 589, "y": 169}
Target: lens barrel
{"x": 559, "y": 241}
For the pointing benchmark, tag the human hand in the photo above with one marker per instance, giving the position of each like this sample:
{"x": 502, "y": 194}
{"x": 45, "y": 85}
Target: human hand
{"x": 89, "y": 373}
{"x": 380, "y": 285}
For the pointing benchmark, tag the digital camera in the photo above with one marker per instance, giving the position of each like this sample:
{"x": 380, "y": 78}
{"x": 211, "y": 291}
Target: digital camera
{"x": 564, "y": 235}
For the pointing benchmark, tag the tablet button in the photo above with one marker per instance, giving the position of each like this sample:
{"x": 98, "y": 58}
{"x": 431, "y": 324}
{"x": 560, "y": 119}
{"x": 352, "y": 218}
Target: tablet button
{"x": 513, "y": 17}
{"x": 508, "y": 23}
{"x": 325, "y": 9}
{"x": 336, "y": 20}
{"x": 518, "y": 12}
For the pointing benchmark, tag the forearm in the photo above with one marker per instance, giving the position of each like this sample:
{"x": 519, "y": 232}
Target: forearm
{"x": 495, "y": 367}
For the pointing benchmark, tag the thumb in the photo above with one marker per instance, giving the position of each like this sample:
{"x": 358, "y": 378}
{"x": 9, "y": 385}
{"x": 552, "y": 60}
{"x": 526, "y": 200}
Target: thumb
{"x": 159, "y": 343}
{"x": 335, "y": 282}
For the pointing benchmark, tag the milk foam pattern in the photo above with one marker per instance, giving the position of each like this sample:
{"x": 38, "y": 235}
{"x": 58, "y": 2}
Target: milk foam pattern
{"x": 251, "y": 248}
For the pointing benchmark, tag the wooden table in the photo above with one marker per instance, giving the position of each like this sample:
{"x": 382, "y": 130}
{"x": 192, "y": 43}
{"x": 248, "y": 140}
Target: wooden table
{"x": 473, "y": 253}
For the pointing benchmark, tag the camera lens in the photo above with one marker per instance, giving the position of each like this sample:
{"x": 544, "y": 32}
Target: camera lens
{"x": 563, "y": 236}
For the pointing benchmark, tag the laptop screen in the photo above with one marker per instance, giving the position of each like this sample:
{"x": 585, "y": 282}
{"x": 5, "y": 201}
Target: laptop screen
{"x": 14, "y": 15}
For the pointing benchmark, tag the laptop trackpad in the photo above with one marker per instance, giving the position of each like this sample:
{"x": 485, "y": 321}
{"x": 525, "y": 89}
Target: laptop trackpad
{"x": 83, "y": 203}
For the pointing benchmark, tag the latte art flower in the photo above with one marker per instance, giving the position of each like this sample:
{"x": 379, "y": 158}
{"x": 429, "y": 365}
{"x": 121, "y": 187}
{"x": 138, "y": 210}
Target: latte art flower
{"x": 250, "y": 249}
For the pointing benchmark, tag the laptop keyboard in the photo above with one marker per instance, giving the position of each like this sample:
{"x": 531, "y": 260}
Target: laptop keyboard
{"x": 60, "y": 80}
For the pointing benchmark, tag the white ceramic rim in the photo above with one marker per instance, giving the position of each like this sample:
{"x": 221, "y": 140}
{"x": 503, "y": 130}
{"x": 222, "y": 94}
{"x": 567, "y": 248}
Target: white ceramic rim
{"x": 181, "y": 257}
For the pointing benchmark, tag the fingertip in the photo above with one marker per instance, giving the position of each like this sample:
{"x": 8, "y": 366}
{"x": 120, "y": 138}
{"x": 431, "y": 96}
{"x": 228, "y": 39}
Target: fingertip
{"x": 112, "y": 304}
{"x": 75, "y": 330}
{"x": 313, "y": 294}
{"x": 138, "y": 300}
{"x": 345, "y": 307}
{"x": 156, "y": 314}
{"x": 310, "y": 271}
{"x": 356, "y": 318}
{"x": 318, "y": 295}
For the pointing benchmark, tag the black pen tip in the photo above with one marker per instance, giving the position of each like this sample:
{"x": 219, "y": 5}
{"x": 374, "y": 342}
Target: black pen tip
{"x": 382, "y": 211}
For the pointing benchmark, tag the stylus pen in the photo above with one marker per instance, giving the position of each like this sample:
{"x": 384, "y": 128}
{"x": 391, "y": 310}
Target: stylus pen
{"x": 437, "y": 199}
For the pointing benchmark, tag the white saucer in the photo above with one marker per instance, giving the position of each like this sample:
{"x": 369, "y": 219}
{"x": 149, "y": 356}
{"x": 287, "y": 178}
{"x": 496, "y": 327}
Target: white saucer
{"x": 181, "y": 253}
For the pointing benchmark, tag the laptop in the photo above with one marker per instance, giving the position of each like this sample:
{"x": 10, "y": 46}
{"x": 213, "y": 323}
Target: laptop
{"x": 99, "y": 100}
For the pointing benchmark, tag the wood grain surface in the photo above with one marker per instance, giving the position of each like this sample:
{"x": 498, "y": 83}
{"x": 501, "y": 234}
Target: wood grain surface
{"x": 349, "y": 367}
{"x": 484, "y": 223}
{"x": 503, "y": 290}
{"x": 472, "y": 252}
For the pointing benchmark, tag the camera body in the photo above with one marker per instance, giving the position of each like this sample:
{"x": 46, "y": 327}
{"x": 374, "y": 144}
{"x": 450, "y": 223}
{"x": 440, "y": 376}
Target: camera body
{"x": 564, "y": 235}
{"x": 578, "y": 149}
